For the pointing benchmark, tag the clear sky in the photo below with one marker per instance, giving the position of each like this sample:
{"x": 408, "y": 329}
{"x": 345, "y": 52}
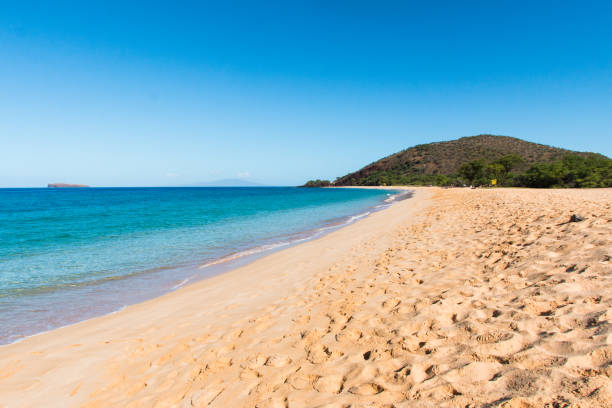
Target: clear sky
{"x": 172, "y": 93}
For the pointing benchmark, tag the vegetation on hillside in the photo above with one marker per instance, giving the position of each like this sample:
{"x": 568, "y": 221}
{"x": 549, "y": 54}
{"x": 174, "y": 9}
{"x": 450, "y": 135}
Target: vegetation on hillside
{"x": 317, "y": 183}
{"x": 571, "y": 171}
{"x": 478, "y": 160}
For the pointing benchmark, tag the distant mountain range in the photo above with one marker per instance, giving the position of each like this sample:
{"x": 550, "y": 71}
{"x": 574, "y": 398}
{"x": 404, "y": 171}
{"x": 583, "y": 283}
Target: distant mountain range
{"x": 482, "y": 159}
{"x": 229, "y": 183}
{"x": 64, "y": 185}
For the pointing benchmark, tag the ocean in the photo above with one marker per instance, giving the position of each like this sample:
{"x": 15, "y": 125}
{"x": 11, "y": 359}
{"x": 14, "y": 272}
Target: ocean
{"x": 67, "y": 255}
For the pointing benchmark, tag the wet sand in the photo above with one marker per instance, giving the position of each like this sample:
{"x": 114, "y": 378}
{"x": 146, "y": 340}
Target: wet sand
{"x": 452, "y": 298}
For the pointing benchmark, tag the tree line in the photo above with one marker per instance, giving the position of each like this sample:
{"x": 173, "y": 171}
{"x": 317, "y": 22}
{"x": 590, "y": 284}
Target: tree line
{"x": 572, "y": 171}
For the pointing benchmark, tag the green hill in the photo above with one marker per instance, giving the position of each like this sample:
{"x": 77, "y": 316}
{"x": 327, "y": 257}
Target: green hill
{"x": 478, "y": 159}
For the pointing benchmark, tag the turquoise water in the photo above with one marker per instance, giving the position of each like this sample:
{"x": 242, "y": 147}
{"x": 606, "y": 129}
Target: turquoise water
{"x": 70, "y": 254}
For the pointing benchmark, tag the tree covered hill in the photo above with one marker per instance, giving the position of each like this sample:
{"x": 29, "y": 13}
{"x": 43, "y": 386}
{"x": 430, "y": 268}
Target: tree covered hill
{"x": 479, "y": 159}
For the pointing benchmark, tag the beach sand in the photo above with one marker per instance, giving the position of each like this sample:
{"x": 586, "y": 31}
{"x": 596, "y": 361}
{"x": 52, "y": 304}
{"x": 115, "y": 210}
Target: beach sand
{"x": 458, "y": 298}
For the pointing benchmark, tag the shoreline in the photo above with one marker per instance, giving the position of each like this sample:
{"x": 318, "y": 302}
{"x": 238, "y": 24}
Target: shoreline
{"x": 196, "y": 271}
{"x": 454, "y": 297}
{"x": 232, "y": 270}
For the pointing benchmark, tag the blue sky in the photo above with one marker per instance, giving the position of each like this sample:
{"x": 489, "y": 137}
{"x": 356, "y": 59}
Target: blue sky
{"x": 169, "y": 93}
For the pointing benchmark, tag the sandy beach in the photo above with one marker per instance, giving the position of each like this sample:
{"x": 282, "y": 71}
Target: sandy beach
{"x": 458, "y": 298}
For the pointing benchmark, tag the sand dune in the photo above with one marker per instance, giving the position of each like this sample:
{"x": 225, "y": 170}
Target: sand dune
{"x": 458, "y": 298}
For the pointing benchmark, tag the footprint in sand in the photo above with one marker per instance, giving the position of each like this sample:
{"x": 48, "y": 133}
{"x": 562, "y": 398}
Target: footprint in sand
{"x": 278, "y": 361}
{"x": 255, "y": 362}
{"x": 312, "y": 336}
{"x": 320, "y": 353}
{"x": 249, "y": 374}
{"x": 366, "y": 389}
{"x": 301, "y": 381}
{"x": 474, "y": 372}
{"x": 349, "y": 335}
{"x": 493, "y": 337}
{"x": 331, "y": 384}
{"x": 422, "y": 372}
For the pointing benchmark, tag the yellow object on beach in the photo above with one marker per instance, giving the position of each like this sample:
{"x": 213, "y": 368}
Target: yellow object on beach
{"x": 494, "y": 181}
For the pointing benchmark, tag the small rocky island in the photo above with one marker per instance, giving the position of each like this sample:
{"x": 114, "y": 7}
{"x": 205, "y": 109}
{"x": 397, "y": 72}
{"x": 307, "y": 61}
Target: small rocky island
{"x": 64, "y": 185}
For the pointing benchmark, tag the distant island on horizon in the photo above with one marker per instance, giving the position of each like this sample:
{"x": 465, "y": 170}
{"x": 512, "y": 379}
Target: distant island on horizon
{"x": 66, "y": 185}
{"x": 215, "y": 183}
{"x": 482, "y": 160}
